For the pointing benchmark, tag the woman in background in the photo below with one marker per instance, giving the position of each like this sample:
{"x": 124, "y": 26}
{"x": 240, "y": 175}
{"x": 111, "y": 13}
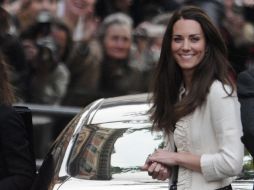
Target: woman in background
{"x": 118, "y": 77}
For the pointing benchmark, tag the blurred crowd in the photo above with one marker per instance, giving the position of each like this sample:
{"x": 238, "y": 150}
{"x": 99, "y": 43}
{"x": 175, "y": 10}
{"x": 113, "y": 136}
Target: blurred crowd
{"x": 71, "y": 52}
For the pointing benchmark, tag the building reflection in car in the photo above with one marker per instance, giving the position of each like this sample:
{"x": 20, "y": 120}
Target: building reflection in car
{"x": 100, "y": 152}
{"x": 105, "y": 150}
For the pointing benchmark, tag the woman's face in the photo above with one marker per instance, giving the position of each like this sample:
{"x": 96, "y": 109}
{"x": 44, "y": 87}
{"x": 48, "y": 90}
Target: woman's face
{"x": 117, "y": 41}
{"x": 188, "y": 44}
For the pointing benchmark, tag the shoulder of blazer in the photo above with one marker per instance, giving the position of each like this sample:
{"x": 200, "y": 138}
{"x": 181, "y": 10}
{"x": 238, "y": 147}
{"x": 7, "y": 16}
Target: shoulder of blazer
{"x": 219, "y": 90}
{"x": 5, "y": 111}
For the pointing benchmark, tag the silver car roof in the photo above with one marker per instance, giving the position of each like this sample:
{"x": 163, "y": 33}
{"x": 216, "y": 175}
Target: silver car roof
{"x": 122, "y": 108}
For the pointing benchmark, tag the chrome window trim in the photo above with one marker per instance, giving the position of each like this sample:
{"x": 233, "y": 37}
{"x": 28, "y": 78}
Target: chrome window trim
{"x": 84, "y": 120}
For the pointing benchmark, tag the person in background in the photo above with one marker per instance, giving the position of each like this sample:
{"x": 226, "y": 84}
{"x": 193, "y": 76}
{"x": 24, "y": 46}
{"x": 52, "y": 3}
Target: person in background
{"x": 117, "y": 74}
{"x": 238, "y": 33}
{"x": 213, "y": 8}
{"x": 154, "y": 8}
{"x": 17, "y": 164}
{"x": 46, "y": 25}
{"x": 193, "y": 82}
{"x": 79, "y": 17}
{"x": 12, "y": 7}
{"x": 145, "y": 51}
{"x": 28, "y": 12}
{"x": 62, "y": 36}
{"x": 85, "y": 55}
{"x": 48, "y": 77}
{"x": 84, "y": 65}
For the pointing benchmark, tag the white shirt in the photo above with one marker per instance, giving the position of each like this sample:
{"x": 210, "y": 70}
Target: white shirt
{"x": 212, "y": 131}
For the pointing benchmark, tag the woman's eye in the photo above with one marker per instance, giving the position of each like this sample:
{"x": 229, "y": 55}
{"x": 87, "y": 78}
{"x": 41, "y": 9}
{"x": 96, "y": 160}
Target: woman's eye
{"x": 177, "y": 40}
{"x": 195, "y": 39}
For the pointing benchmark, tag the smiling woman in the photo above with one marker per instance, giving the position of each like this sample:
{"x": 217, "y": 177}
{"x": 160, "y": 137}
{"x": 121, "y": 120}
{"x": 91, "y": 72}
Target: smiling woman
{"x": 192, "y": 83}
{"x": 188, "y": 45}
{"x": 118, "y": 41}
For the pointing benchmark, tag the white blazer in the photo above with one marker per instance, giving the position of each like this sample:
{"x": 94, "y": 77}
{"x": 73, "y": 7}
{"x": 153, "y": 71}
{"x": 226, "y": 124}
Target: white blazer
{"x": 212, "y": 131}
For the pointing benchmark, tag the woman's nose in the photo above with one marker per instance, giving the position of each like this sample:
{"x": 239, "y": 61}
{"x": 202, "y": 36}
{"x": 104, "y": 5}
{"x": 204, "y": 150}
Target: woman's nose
{"x": 186, "y": 45}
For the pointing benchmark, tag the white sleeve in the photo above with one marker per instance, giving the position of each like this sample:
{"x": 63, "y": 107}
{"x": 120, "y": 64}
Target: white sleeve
{"x": 226, "y": 121}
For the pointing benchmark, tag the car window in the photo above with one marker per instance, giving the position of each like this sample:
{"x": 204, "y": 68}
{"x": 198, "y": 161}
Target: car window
{"x": 103, "y": 151}
{"x": 49, "y": 170}
{"x": 132, "y": 148}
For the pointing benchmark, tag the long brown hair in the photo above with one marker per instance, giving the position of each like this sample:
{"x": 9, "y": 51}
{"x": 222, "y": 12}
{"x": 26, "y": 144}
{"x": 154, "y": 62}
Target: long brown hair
{"x": 166, "y": 109}
{"x": 6, "y": 91}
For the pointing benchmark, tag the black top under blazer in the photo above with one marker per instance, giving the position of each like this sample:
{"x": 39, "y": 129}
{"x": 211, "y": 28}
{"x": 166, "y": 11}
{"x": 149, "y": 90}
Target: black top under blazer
{"x": 17, "y": 166}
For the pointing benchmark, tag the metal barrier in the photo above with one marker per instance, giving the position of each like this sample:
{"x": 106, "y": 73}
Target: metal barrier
{"x": 52, "y": 110}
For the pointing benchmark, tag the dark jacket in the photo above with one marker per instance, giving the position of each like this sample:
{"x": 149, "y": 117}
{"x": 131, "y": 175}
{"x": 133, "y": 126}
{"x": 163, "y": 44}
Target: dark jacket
{"x": 245, "y": 88}
{"x": 118, "y": 78}
{"x": 17, "y": 166}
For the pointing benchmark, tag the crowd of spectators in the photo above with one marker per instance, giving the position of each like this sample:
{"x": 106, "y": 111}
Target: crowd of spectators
{"x": 71, "y": 52}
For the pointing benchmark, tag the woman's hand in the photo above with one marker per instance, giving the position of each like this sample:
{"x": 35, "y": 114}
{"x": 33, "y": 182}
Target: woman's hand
{"x": 164, "y": 157}
{"x": 184, "y": 159}
{"x": 156, "y": 170}
{"x": 159, "y": 171}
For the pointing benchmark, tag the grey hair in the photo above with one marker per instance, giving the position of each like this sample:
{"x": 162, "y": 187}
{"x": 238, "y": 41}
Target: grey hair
{"x": 112, "y": 19}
